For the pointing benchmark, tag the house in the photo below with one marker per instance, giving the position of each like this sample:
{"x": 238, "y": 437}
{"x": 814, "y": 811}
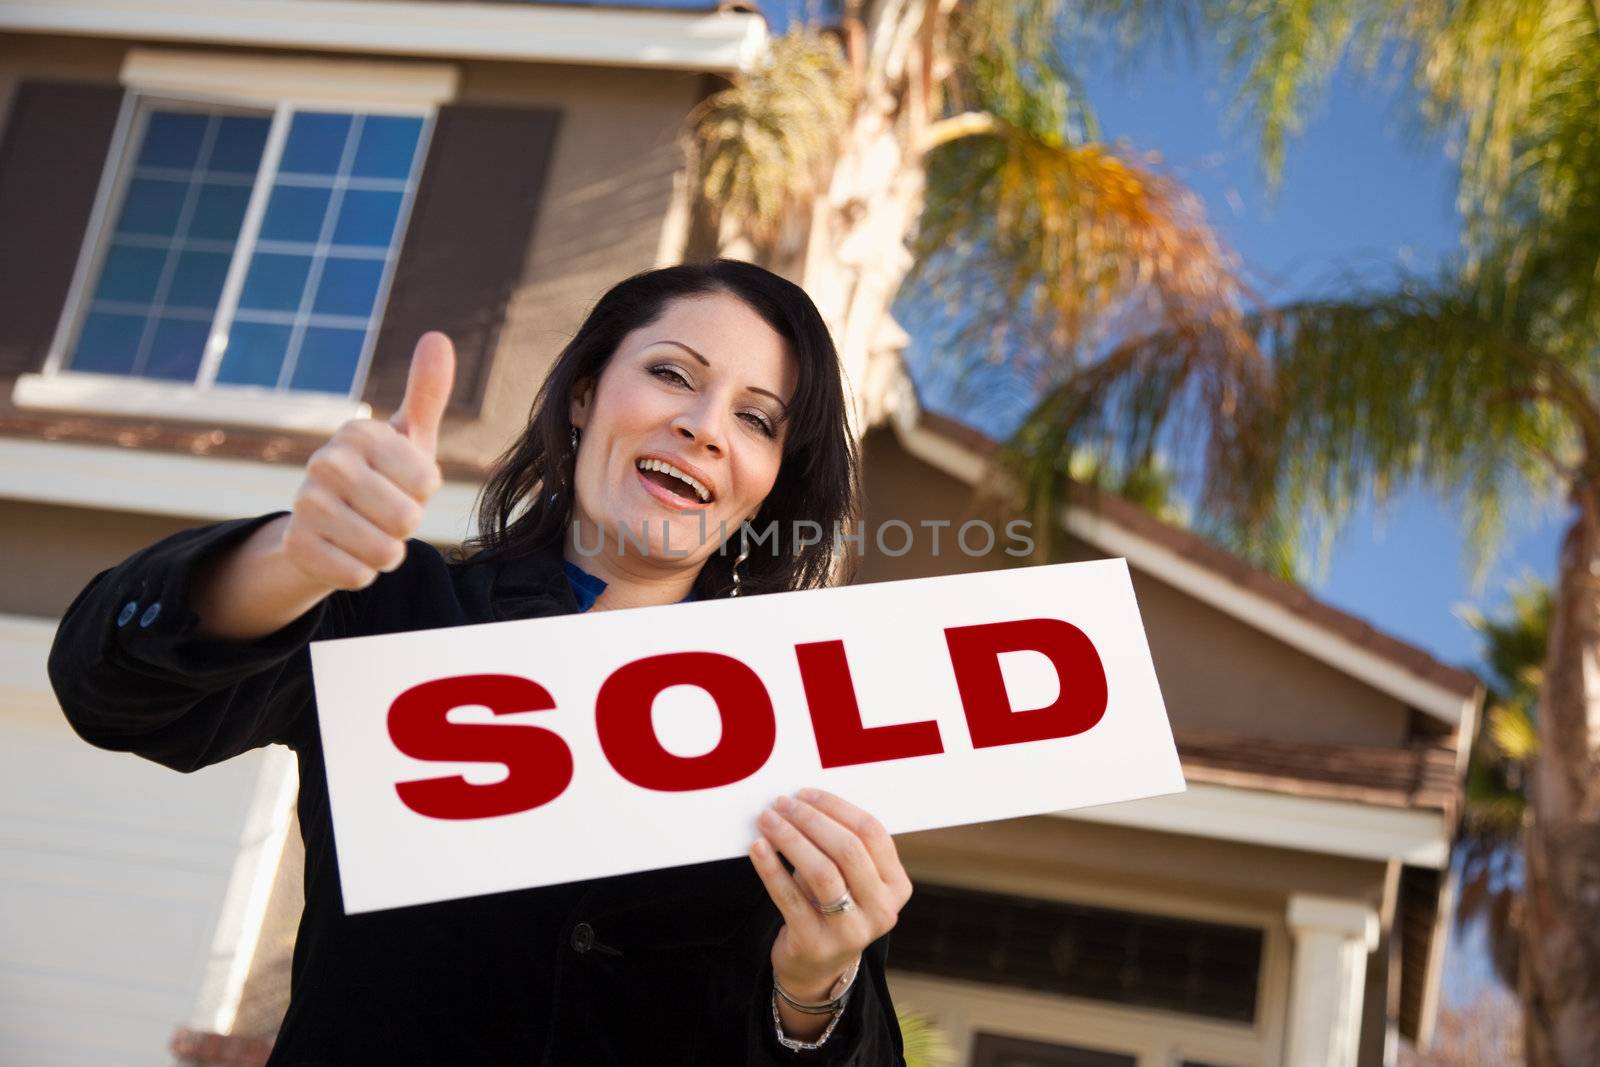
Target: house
{"x": 224, "y": 225}
{"x": 1289, "y": 908}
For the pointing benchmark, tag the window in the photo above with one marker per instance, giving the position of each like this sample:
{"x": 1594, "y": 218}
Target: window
{"x": 241, "y": 247}
{"x": 1205, "y": 969}
{"x": 249, "y": 249}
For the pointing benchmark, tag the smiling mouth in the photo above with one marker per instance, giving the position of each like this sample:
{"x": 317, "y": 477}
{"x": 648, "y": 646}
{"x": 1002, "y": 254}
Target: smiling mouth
{"x": 674, "y": 481}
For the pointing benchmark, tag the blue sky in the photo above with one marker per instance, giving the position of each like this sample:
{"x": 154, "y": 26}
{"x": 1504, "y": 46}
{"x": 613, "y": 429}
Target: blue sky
{"x": 1363, "y": 191}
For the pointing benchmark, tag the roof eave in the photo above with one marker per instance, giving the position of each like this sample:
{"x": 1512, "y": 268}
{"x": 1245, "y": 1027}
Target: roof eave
{"x": 719, "y": 42}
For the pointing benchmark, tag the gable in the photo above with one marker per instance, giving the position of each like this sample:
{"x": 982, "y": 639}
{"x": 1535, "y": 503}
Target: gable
{"x": 1218, "y": 673}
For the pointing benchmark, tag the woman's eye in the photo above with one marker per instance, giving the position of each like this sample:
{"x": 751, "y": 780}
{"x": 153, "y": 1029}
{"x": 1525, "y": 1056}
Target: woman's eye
{"x": 758, "y": 421}
{"x": 669, "y": 373}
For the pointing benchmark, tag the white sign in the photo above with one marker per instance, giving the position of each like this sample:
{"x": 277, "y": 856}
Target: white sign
{"x": 483, "y": 758}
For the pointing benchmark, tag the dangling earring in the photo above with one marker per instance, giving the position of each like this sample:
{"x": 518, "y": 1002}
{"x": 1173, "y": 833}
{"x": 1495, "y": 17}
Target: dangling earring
{"x": 574, "y": 438}
{"x": 744, "y": 553}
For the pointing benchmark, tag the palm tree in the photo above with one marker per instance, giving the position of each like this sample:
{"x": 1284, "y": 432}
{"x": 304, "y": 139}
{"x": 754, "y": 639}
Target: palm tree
{"x": 1482, "y": 380}
{"x": 1489, "y": 848}
{"x": 943, "y": 142}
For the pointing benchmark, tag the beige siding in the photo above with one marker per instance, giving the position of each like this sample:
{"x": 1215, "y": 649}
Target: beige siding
{"x": 605, "y": 202}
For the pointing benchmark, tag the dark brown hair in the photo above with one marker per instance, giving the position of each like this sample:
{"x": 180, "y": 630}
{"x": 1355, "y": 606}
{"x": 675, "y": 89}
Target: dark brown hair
{"x": 818, "y": 479}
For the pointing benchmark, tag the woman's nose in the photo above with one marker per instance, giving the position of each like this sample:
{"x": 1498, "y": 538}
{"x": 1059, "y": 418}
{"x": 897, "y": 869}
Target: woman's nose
{"x": 700, "y": 427}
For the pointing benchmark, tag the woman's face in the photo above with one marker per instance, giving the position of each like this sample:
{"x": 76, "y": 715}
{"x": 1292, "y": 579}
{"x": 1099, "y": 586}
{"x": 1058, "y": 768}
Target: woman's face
{"x": 685, "y": 427}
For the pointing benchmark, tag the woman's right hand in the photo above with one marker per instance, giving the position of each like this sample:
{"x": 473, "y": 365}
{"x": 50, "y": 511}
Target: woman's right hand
{"x": 365, "y": 491}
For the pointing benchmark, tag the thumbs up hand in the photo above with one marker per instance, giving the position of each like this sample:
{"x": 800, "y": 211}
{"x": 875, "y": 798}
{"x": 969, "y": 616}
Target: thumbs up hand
{"x": 433, "y": 371}
{"x": 365, "y": 491}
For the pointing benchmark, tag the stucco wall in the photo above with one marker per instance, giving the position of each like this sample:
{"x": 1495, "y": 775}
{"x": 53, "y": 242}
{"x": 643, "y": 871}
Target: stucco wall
{"x": 48, "y": 553}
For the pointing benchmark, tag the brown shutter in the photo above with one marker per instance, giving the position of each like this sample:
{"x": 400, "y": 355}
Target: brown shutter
{"x": 470, "y": 227}
{"x": 52, "y": 155}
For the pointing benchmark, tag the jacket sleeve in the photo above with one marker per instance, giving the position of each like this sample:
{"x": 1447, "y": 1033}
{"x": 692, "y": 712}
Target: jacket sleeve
{"x": 868, "y": 1032}
{"x": 132, "y": 676}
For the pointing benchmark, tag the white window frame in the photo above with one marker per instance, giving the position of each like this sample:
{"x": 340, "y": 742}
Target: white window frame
{"x": 281, "y": 85}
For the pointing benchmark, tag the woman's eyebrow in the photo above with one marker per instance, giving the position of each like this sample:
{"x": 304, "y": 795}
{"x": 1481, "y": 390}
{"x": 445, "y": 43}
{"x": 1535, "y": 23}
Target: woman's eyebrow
{"x": 707, "y": 362}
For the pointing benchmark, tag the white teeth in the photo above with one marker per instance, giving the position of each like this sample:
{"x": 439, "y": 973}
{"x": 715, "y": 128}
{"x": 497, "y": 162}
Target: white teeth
{"x": 666, "y": 468}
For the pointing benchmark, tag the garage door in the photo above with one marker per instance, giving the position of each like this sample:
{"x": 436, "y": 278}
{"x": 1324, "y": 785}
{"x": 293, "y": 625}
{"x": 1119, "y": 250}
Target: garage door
{"x": 112, "y": 877}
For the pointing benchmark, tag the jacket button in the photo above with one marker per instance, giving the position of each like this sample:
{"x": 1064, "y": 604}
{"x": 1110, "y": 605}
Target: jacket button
{"x": 150, "y": 614}
{"x": 129, "y": 610}
{"x": 582, "y": 937}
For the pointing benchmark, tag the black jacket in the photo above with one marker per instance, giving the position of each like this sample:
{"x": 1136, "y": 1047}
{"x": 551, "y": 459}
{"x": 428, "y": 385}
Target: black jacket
{"x": 665, "y": 967}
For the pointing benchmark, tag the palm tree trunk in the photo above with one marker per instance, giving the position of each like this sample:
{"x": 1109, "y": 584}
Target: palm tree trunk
{"x": 848, "y": 249}
{"x": 1560, "y": 976}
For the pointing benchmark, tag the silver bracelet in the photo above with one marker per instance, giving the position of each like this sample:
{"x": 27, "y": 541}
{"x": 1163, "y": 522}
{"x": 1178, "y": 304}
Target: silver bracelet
{"x": 836, "y": 993}
{"x": 834, "y": 1005}
{"x": 795, "y": 1044}
{"x": 821, "y": 1007}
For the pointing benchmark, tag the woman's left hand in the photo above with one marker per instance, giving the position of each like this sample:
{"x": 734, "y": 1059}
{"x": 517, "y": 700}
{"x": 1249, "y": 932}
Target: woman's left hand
{"x": 835, "y": 848}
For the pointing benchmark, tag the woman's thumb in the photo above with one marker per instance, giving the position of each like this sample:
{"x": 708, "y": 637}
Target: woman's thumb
{"x": 433, "y": 371}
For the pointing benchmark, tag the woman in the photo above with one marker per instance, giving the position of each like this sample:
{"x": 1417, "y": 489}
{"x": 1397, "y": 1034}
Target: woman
{"x": 697, "y": 396}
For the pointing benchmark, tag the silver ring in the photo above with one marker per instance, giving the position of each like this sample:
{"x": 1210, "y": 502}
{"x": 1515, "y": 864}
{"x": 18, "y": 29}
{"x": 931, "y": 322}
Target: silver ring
{"x": 843, "y": 904}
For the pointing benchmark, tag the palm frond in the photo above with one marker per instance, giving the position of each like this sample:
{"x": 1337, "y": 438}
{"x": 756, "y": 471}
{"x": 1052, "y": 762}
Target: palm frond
{"x": 1011, "y": 64}
{"x": 1326, "y": 400}
{"x": 925, "y": 1043}
{"x": 1514, "y": 733}
{"x": 1279, "y": 54}
{"x": 1515, "y": 82}
{"x": 1286, "y": 50}
{"x": 1488, "y": 850}
{"x": 1027, "y": 247}
{"x": 1514, "y": 640}
{"x": 1151, "y": 486}
{"x": 758, "y": 148}
{"x": 1421, "y": 384}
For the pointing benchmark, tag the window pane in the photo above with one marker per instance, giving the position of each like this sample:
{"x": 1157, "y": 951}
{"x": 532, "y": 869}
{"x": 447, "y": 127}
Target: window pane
{"x": 255, "y": 354}
{"x": 176, "y": 350}
{"x": 316, "y": 143}
{"x": 348, "y": 286}
{"x": 108, "y": 343}
{"x": 218, "y": 211}
{"x": 275, "y": 282}
{"x": 238, "y": 145}
{"x": 327, "y": 360}
{"x": 152, "y": 207}
{"x": 387, "y": 144}
{"x": 197, "y": 282}
{"x": 295, "y": 213}
{"x": 367, "y": 217}
{"x": 183, "y": 210}
{"x": 173, "y": 139}
{"x": 130, "y": 274}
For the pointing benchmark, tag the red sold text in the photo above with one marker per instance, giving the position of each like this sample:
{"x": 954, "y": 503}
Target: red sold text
{"x": 540, "y": 763}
